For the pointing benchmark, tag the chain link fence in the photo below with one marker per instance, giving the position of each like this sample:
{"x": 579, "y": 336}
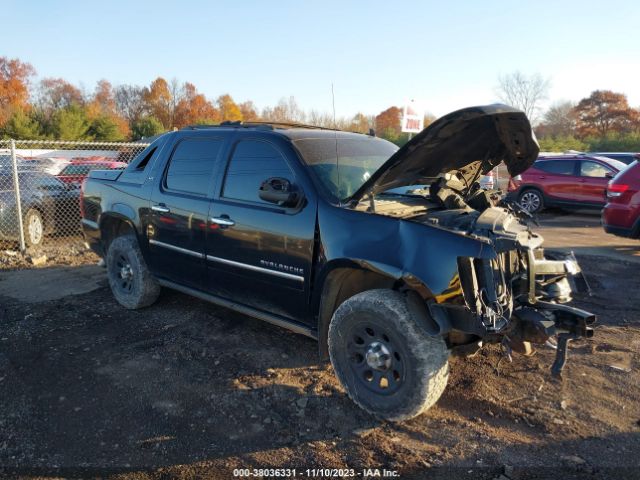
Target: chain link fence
{"x": 40, "y": 184}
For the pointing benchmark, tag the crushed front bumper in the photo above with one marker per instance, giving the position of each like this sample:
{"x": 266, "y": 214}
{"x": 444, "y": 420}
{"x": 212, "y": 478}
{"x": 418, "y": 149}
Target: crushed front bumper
{"x": 520, "y": 297}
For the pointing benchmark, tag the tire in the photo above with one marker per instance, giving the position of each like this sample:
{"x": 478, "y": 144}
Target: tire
{"x": 33, "y": 228}
{"x": 132, "y": 284}
{"x": 372, "y": 336}
{"x": 531, "y": 200}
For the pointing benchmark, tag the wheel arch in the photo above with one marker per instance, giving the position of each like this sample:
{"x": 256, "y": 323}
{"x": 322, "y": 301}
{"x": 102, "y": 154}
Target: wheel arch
{"x": 113, "y": 225}
{"x": 342, "y": 279}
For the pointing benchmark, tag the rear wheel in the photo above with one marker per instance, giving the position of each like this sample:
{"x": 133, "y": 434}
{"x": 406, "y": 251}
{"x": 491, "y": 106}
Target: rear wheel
{"x": 33, "y": 228}
{"x": 531, "y": 200}
{"x": 132, "y": 284}
{"x": 388, "y": 364}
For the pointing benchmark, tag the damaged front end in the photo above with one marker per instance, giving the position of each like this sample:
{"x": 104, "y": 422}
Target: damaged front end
{"x": 512, "y": 294}
{"x": 518, "y": 297}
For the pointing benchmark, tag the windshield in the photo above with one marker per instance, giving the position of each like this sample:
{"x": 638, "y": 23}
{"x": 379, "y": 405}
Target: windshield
{"x": 358, "y": 158}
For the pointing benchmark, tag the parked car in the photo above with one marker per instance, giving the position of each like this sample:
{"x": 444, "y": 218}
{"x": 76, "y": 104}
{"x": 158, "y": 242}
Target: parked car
{"x": 621, "y": 214}
{"x": 77, "y": 170}
{"x": 48, "y": 206}
{"x": 624, "y": 157}
{"x": 577, "y": 181}
{"x": 22, "y": 164}
{"x": 51, "y": 165}
{"x": 268, "y": 221}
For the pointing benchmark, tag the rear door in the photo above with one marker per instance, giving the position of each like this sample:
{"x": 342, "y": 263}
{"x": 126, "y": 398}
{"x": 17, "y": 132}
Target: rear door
{"x": 258, "y": 253}
{"x": 592, "y": 182}
{"x": 557, "y": 178}
{"x": 177, "y": 227}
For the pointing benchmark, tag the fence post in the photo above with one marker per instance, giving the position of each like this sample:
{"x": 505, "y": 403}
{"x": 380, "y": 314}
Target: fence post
{"x": 16, "y": 189}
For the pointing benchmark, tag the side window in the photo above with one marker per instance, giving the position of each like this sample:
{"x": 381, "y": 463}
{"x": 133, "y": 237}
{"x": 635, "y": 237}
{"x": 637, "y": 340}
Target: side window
{"x": 557, "y": 167}
{"x": 253, "y": 162}
{"x": 593, "y": 169}
{"x": 191, "y": 165}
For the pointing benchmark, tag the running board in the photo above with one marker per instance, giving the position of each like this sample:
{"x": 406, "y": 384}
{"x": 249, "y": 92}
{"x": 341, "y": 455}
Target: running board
{"x": 238, "y": 307}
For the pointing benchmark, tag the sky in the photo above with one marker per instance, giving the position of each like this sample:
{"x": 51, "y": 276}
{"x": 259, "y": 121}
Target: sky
{"x": 447, "y": 55}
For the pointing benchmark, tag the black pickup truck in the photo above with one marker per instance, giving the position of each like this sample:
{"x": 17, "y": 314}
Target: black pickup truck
{"x": 390, "y": 258}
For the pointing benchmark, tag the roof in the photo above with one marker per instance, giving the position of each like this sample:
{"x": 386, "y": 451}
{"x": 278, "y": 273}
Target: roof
{"x": 294, "y": 131}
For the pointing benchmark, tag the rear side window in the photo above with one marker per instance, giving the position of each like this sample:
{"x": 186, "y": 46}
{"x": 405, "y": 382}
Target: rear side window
{"x": 558, "y": 167}
{"x": 252, "y": 163}
{"x": 191, "y": 165}
{"x": 593, "y": 169}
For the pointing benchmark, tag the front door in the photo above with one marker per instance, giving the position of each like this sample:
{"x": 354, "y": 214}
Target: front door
{"x": 258, "y": 253}
{"x": 177, "y": 229}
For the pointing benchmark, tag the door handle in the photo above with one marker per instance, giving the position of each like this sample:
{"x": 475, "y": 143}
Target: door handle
{"x": 160, "y": 208}
{"x": 225, "y": 221}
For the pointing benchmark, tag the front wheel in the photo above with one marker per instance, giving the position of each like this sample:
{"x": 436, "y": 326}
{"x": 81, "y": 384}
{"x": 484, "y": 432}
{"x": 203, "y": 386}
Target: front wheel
{"x": 388, "y": 364}
{"x": 132, "y": 284}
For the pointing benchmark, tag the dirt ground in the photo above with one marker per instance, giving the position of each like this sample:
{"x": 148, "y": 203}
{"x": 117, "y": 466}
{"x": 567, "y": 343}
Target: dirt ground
{"x": 187, "y": 389}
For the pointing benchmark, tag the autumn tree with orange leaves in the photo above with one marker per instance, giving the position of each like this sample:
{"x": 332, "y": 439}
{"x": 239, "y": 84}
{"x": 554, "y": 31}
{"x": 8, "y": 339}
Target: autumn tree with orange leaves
{"x": 194, "y": 108}
{"x": 389, "y": 123}
{"x": 14, "y": 87}
{"x": 604, "y": 112}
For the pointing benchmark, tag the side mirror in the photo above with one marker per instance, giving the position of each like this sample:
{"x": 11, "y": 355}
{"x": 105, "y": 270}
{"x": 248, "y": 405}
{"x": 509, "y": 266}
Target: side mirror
{"x": 279, "y": 191}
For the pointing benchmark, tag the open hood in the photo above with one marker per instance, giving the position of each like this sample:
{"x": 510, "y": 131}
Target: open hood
{"x": 469, "y": 142}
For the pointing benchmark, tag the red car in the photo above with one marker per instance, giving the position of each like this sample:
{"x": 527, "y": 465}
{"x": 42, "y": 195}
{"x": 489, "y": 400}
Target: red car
{"x": 577, "y": 181}
{"x": 77, "y": 170}
{"x": 621, "y": 214}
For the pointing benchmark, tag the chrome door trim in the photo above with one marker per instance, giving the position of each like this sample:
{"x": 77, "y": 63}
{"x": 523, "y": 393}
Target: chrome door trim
{"x": 176, "y": 249}
{"x": 254, "y": 268}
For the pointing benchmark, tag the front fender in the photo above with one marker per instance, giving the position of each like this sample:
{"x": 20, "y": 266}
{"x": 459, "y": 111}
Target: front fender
{"x": 402, "y": 249}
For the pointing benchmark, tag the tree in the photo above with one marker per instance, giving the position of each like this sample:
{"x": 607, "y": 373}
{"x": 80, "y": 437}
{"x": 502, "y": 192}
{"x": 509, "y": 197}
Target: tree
{"x": 70, "y": 123}
{"x": 130, "y": 102}
{"x": 361, "y": 123}
{"x": 604, "y": 112}
{"x": 106, "y": 129}
{"x": 102, "y": 112}
{"x": 525, "y": 92}
{"x": 286, "y": 111}
{"x": 558, "y": 121}
{"x": 159, "y": 101}
{"x": 248, "y": 111}
{"x": 14, "y": 87}
{"x": 104, "y": 98}
{"x": 56, "y": 93}
{"x": 229, "y": 110}
{"x": 194, "y": 108}
{"x": 22, "y": 126}
{"x": 389, "y": 123}
{"x": 429, "y": 118}
{"x": 145, "y": 127}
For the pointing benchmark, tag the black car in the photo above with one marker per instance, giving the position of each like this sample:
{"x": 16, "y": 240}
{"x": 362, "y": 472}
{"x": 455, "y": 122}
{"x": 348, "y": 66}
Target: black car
{"x": 48, "y": 206}
{"x": 389, "y": 258}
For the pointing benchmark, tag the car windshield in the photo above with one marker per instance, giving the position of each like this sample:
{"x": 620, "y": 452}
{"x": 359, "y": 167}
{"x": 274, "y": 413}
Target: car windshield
{"x": 342, "y": 165}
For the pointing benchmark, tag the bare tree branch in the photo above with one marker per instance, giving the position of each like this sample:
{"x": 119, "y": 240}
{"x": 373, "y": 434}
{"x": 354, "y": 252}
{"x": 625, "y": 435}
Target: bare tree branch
{"x": 525, "y": 92}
